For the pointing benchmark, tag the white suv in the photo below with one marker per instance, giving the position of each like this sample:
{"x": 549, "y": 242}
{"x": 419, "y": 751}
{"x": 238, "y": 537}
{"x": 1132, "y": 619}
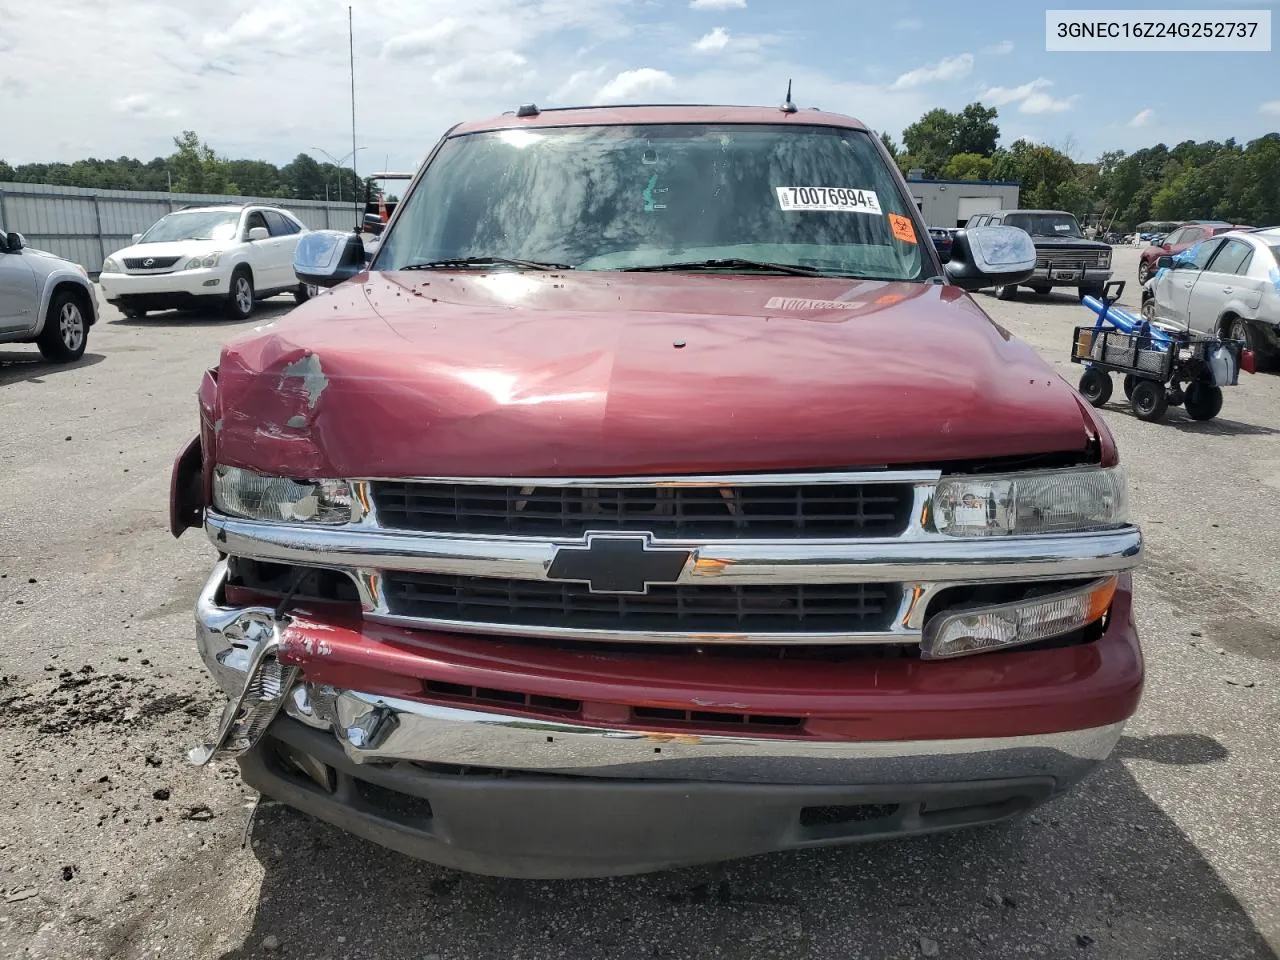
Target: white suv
{"x": 206, "y": 256}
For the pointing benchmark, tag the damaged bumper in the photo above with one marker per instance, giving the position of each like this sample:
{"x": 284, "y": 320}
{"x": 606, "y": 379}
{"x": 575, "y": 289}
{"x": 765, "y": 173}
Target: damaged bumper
{"x": 341, "y": 725}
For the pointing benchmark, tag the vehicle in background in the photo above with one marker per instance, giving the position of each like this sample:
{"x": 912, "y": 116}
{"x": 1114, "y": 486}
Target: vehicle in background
{"x": 942, "y": 238}
{"x": 1064, "y": 256}
{"x": 378, "y": 210}
{"x": 1227, "y": 286}
{"x": 44, "y": 299}
{"x": 1180, "y": 239}
{"x": 209, "y": 256}
{"x": 682, "y": 508}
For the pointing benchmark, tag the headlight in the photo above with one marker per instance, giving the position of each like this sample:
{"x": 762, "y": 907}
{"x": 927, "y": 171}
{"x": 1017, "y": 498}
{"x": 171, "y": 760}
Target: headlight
{"x": 195, "y": 263}
{"x": 111, "y": 265}
{"x": 1105, "y": 259}
{"x": 1037, "y": 501}
{"x": 1013, "y": 624}
{"x": 243, "y": 493}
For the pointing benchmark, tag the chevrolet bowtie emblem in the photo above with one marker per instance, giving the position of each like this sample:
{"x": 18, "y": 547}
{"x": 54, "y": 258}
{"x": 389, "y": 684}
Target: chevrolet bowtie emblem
{"x": 616, "y": 563}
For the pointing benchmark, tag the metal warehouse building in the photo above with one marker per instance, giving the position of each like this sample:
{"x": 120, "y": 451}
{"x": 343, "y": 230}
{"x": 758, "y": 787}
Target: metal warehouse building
{"x": 949, "y": 203}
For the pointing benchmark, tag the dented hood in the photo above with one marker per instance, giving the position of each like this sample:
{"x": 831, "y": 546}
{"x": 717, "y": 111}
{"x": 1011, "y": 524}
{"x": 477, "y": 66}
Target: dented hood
{"x": 597, "y": 374}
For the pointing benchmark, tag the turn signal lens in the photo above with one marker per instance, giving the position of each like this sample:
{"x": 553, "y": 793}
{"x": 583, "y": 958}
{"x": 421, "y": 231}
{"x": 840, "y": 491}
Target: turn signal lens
{"x": 982, "y": 629}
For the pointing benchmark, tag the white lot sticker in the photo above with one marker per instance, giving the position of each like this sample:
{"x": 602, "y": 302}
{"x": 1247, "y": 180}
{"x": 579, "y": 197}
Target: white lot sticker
{"x": 800, "y": 303}
{"x": 833, "y": 199}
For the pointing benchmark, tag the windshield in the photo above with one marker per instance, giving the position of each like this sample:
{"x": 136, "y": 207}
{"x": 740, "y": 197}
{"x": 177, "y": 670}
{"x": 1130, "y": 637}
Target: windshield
{"x": 1045, "y": 224}
{"x": 197, "y": 225}
{"x": 626, "y": 197}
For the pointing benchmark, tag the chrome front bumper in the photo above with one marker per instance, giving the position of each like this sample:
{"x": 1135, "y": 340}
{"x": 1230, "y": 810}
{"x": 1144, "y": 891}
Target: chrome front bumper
{"x": 237, "y": 643}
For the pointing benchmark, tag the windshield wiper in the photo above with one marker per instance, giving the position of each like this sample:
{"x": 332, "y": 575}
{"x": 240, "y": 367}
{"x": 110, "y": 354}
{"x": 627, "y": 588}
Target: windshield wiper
{"x": 730, "y": 263}
{"x": 486, "y": 262}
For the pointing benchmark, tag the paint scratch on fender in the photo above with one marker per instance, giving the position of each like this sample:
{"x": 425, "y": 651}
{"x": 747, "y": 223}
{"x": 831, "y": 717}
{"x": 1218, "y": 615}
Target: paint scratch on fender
{"x": 308, "y": 370}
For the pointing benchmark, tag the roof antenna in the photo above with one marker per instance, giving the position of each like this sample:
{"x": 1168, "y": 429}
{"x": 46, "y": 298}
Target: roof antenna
{"x": 787, "y": 105}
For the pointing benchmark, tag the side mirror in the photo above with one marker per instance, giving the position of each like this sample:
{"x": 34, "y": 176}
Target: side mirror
{"x": 991, "y": 256}
{"x": 328, "y": 257}
{"x": 258, "y": 233}
{"x": 136, "y": 238}
{"x": 13, "y": 242}
{"x": 1164, "y": 263}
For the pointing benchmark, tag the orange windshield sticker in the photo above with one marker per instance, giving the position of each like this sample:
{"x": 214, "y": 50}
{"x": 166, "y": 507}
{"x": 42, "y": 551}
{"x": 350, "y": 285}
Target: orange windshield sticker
{"x": 902, "y": 228}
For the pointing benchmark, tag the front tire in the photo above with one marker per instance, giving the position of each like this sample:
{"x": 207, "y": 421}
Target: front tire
{"x": 240, "y": 295}
{"x": 1006, "y": 292}
{"x": 1149, "y": 400}
{"x": 1096, "y": 292}
{"x": 1202, "y": 401}
{"x": 302, "y": 293}
{"x": 1042, "y": 290}
{"x": 1144, "y": 272}
{"x": 66, "y": 332}
{"x": 1095, "y": 386}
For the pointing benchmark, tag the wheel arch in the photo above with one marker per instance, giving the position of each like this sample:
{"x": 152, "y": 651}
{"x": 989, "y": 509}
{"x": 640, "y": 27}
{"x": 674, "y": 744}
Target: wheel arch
{"x": 83, "y": 297}
{"x": 236, "y": 267}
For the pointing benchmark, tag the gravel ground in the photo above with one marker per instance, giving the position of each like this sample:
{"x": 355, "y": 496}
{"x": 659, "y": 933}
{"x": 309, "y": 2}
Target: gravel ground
{"x": 113, "y": 848}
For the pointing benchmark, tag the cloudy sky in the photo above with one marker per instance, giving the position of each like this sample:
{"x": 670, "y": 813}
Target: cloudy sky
{"x": 268, "y": 79}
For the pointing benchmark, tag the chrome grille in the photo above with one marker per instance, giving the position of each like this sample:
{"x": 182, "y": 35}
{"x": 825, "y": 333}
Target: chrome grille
{"x": 1072, "y": 259}
{"x": 710, "y": 512}
{"x": 150, "y": 263}
{"x": 755, "y": 608}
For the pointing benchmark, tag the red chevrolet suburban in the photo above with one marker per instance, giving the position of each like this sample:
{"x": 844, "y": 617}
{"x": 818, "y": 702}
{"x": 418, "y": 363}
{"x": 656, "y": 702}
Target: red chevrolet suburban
{"x": 656, "y": 497}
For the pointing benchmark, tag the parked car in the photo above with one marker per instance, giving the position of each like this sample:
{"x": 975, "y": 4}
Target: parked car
{"x": 1227, "y": 286}
{"x": 1183, "y": 238}
{"x": 1064, "y": 256}
{"x": 44, "y": 299}
{"x": 942, "y": 237}
{"x": 601, "y": 537}
{"x": 206, "y": 257}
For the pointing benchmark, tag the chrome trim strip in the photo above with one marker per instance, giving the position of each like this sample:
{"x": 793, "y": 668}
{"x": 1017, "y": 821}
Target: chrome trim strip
{"x": 699, "y": 480}
{"x": 894, "y": 634}
{"x": 373, "y": 729}
{"x": 920, "y": 559}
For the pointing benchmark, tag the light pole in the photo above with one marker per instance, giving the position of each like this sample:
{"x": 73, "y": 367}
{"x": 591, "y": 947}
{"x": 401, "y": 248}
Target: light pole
{"x": 338, "y": 163}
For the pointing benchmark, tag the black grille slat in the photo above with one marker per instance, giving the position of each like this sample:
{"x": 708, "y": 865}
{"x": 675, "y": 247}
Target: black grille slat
{"x": 813, "y": 510}
{"x": 782, "y": 608}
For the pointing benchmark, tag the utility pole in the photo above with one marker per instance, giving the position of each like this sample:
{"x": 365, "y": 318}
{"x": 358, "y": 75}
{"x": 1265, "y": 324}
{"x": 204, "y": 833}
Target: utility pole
{"x": 351, "y": 51}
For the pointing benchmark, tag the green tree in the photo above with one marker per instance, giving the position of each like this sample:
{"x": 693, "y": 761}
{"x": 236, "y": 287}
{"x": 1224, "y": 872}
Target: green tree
{"x": 196, "y": 168}
{"x": 889, "y": 144}
{"x": 940, "y": 134}
{"x": 968, "y": 166}
{"x": 976, "y": 131}
{"x": 929, "y": 140}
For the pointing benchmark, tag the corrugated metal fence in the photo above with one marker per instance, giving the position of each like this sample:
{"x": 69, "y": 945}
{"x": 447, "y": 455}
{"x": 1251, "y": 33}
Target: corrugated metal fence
{"x": 87, "y": 225}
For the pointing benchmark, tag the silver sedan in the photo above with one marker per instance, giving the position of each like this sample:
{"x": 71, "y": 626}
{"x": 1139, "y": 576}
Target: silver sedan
{"x": 1226, "y": 286}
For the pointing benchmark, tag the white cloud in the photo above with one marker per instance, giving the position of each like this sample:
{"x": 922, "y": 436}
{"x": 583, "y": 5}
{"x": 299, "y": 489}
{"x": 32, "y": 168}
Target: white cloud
{"x": 484, "y": 66}
{"x": 1142, "y": 117}
{"x": 416, "y": 43}
{"x": 999, "y": 49}
{"x": 632, "y": 84}
{"x": 1001, "y": 96}
{"x": 716, "y": 40}
{"x": 142, "y": 105}
{"x": 717, "y": 4}
{"x": 948, "y": 68}
{"x": 1270, "y": 107}
{"x": 908, "y": 23}
{"x": 576, "y": 84}
{"x": 1043, "y": 103}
